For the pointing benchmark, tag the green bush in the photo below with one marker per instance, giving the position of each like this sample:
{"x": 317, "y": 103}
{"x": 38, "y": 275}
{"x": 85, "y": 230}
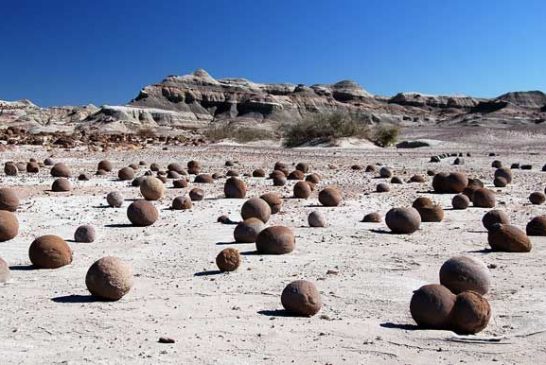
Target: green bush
{"x": 238, "y": 134}
{"x": 385, "y": 135}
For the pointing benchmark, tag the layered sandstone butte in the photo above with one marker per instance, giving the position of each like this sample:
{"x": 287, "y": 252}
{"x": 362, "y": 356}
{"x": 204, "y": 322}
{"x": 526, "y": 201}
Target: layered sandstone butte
{"x": 197, "y": 100}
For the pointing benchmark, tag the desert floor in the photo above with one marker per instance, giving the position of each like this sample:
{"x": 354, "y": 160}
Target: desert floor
{"x": 365, "y": 274}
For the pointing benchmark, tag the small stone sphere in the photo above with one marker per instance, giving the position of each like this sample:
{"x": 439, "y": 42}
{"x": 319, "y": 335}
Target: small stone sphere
{"x": 49, "y": 162}
{"x": 275, "y": 240}
{"x": 274, "y": 200}
{"x": 431, "y": 306}
{"x": 142, "y": 213}
{"x": 417, "y": 179}
{"x": 155, "y": 167}
{"x": 301, "y": 298}
{"x": 8, "y": 200}
{"x": 229, "y": 259}
{"x": 33, "y": 168}
{"x": 316, "y": 219}
{"x": 281, "y": 166}
{"x": 256, "y": 208}
{"x": 537, "y": 198}
{"x": 373, "y": 217}
{"x": 114, "y": 199}
{"x": 101, "y": 173}
{"x": 496, "y": 164}
{"x": 9, "y": 225}
{"x": 500, "y": 182}
{"x": 462, "y": 273}
{"x": 403, "y": 220}
{"x": 5, "y": 273}
{"x": 370, "y": 168}
{"x": 217, "y": 176}
{"x": 203, "y": 179}
{"x": 296, "y": 175}
{"x": 277, "y": 174}
{"x": 471, "y": 313}
{"x": 279, "y": 181}
{"x": 134, "y": 166}
{"x": 302, "y": 190}
{"x": 105, "y": 165}
{"x": 313, "y": 178}
{"x": 234, "y": 188}
{"x": 396, "y": 180}
{"x": 126, "y": 173}
{"x": 330, "y": 197}
{"x": 196, "y": 194}
{"x": 180, "y": 183}
{"x": 21, "y": 166}
{"x": 477, "y": 183}
{"x": 508, "y": 238}
{"x": 452, "y": 183}
{"x": 162, "y": 178}
{"x": 494, "y": 216}
{"x": 247, "y": 231}
{"x": 85, "y": 234}
{"x": 10, "y": 169}
{"x": 176, "y": 167}
{"x": 504, "y": 172}
{"x": 137, "y": 181}
{"x": 194, "y": 167}
{"x": 181, "y": 203}
{"x": 152, "y": 188}
{"x": 385, "y": 172}
{"x": 232, "y": 173}
{"x": 83, "y": 177}
{"x": 460, "y": 201}
{"x": 258, "y": 173}
{"x": 173, "y": 175}
{"x": 60, "y": 170}
{"x": 109, "y": 278}
{"x": 382, "y": 188}
{"x": 229, "y": 163}
{"x": 356, "y": 167}
{"x": 429, "y": 211}
{"x": 303, "y": 167}
{"x": 484, "y": 198}
{"x": 536, "y": 226}
{"x": 514, "y": 166}
{"x": 61, "y": 185}
{"x": 49, "y": 252}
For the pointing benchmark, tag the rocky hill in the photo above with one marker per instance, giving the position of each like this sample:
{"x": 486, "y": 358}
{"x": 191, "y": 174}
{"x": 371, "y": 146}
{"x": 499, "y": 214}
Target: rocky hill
{"x": 197, "y": 100}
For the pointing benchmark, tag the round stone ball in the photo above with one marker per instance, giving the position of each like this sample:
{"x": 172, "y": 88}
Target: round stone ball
{"x": 429, "y": 211}
{"x": 61, "y": 185}
{"x": 10, "y": 169}
{"x": 382, "y": 188}
{"x": 9, "y": 225}
{"x": 496, "y": 164}
{"x": 452, "y": 183}
{"x": 460, "y": 202}
{"x": 258, "y": 173}
{"x": 247, "y": 231}
{"x": 471, "y": 313}
{"x": 137, "y": 181}
{"x": 194, "y": 167}
{"x": 462, "y": 273}
{"x": 49, "y": 162}
{"x": 370, "y": 168}
{"x": 385, "y": 172}
{"x": 196, "y": 194}
{"x": 537, "y": 198}
{"x": 33, "y": 167}
{"x": 85, "y": 234}
{"x": 142, "y": 213}
{"x": 508, "y": 238}
{"x": 504, "y": 172}
{"x": 330, "y": 197}
{"x": 181, "y": 203}
{"x": 8, "y": 200}
{"x": 296, "y": 175}
{"x": 302, "y": 190}
{"x": 275, "y": 240}
{"x": 403, "y": 220}
{"x": 301, "y": 298}
{"x": 234, "y": 188}
{"x": 60, "y": 170}
{"x": 229, "y": 259}
{"x": 21, "y": 166}
{"x": 417, "y": 179}
{"x": 279, "y": 180}
{"x": 152, "y": 188}
{"x": 303, "y": 167}
{"x": 109, "y": 278}
{"x": 274, "y": 200}
{"x": 105, "y": 165}
{"x": 49, "y": 252}
{"x": 316, "y": 219}
{"x": 537, "y": 226}
{"x": 373, "y": 217}
{"x": 155, "y": 166}
{"x": 313, "y": 178}
{"x": 173, "y": 175}
{"x": 484, "y": 198}
{"x": 114, "y": 199}
{"x": 101, "y": 173}
{"x": 494, "y": 216}
{"x": 126, "y": 173}
{"x": 5, "y": 273}
{"x": 256, "y": 208}
{"x": 203, "y": 179}
{"x": 277, "y": 174}
{"x": 176, "y": 167}
{"x": 431, "y": 306}
{"x": 500, "y": 182}
{"x": 83, "y": 177}
{"x": 281, "y": 166}
{"x": 396, "y": 180}
{"x": 180, "y": 183}
{"x": 232, "y": 173}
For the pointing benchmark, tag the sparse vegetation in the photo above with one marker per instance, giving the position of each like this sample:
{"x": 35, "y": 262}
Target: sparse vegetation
{"x": 238, "y": 134}
{"x": 385, "y": 135}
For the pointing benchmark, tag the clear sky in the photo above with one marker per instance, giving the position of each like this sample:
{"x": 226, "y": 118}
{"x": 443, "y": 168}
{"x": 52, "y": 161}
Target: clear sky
{"x": 58, "y": 52}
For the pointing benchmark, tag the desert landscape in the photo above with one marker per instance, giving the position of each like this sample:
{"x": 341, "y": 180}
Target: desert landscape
{"x": 182, "y": 309}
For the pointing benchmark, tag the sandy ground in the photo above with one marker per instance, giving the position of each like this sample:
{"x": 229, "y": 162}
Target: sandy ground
{"x": 237, "y": 318}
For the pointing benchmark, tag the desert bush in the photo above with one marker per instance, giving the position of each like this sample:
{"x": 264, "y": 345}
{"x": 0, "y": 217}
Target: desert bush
{"x": 385, "y": 135}
{"x": 238, "y": 134}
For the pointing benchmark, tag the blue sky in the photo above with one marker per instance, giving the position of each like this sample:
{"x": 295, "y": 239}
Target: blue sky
{"x": 59, "y": 52}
